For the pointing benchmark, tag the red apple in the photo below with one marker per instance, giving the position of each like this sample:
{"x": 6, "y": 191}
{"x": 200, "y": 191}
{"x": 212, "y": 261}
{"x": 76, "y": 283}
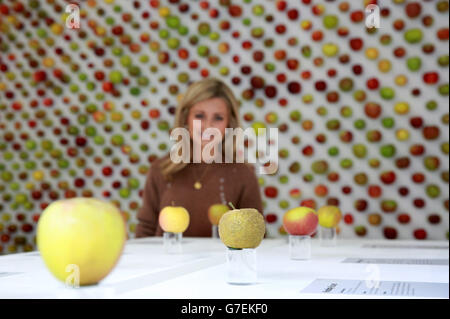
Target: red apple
{"x": 300, "y": 221}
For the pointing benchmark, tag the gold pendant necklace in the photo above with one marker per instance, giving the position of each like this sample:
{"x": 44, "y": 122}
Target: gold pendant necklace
{"x": 197, "y": 184}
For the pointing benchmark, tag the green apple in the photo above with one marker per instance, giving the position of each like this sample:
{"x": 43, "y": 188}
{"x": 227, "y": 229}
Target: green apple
{"x": 330, "y": 21}
{"x": 115, "y": 77}
{"x": 173, "y": 43}
{"x": 414, "y": 63}
{"x": 413, "y": 35}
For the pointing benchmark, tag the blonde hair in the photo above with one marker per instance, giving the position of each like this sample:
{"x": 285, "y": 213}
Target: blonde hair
{"x": 198, "y": 92}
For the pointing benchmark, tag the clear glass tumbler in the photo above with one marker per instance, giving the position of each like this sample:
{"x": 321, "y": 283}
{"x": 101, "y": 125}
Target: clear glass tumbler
{"x": 327, "y": 236}
{"x": 241, "y": 266}
{"x": 300, "y": 247}
{"x": 172, "y": 242}
{"x": 215, "y": 231}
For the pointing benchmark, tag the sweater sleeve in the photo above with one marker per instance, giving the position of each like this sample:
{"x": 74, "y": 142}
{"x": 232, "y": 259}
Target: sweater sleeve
{"x": 250, "y": 196}
{"x": 149, "y": 211}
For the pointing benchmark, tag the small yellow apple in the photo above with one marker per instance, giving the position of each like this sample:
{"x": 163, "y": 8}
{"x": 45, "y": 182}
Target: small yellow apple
{"x": 174, "y": 219}
{"x": 216, "y": 211}
{"x": 81, "y": 237}
{"x": 329, "y": 216}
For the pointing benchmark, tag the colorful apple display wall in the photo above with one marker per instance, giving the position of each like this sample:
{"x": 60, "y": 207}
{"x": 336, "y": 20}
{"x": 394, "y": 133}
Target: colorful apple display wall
{"x": 362, "y": 113}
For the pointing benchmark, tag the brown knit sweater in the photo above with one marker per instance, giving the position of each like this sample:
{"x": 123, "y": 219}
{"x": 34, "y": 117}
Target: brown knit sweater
{"x": 221, "y": 183}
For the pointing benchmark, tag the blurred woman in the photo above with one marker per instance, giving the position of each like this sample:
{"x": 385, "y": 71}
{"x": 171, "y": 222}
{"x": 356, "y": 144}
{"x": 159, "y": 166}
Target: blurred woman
{"x": 197, "y": 186}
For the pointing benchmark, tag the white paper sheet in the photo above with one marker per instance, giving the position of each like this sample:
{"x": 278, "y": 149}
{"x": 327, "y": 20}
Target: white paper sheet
{"x": 397, "y": 261}
{"x": 397, "y": 246}
{"x": 381, "y": 288}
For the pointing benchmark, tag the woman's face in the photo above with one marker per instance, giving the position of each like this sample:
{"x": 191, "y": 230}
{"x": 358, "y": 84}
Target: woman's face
{"x": 212, "y": 113}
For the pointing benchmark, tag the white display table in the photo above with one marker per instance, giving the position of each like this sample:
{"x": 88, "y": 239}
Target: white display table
{"x": 146, "y": 271}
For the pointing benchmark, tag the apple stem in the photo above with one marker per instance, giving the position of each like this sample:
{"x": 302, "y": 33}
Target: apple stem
{"x": 231, "y": 204}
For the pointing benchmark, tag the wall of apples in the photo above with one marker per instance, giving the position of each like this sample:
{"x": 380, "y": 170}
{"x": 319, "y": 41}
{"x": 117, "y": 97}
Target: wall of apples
{"x": 362, "y": 113}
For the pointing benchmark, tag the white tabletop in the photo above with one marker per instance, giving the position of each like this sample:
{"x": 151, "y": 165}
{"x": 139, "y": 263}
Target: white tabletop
{"x": 146, "y": 271}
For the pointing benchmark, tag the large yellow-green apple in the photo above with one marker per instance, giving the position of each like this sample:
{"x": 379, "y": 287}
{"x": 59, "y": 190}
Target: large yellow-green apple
{"x": 301, "y": 221}
{"x": 329, "y": 216}
{"x": 81, "y": 232}
{"x": 216, "y": 211}
{"x": 174, "y": 219}
{"x": 242, "y": 228}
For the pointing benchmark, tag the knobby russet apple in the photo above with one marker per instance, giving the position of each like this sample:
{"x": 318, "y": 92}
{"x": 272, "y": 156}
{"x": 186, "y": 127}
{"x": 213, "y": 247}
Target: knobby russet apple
{"x": 242, "y": 228}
